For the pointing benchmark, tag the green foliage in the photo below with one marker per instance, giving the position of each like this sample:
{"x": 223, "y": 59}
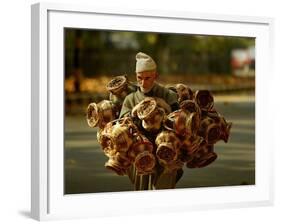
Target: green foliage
{"x": 113, "y": 52}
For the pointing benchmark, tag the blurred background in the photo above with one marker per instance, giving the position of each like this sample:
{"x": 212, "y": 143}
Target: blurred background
{"x": 222, "y": 64}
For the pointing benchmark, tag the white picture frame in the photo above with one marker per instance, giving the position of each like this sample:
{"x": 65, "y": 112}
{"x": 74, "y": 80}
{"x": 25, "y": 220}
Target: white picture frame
{"x": 48, "y": 201}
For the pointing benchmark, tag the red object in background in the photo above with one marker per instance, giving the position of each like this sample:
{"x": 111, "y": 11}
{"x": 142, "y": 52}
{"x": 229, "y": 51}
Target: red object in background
{"x": 240, "y": 58}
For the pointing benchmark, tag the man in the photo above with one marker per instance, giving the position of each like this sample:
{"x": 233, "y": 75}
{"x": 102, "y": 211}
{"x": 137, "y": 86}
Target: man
{"x": 146, "y": 75}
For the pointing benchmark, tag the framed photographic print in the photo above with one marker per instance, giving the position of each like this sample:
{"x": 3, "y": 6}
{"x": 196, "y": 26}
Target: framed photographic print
{"x": 148, "y": 111}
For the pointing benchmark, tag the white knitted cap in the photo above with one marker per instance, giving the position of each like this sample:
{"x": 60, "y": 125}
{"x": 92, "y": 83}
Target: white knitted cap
{"x": 144, "y": 63}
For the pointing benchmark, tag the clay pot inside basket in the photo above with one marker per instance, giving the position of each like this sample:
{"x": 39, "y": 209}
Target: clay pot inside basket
{"x": 106, "y": 111}
{"x": 93, "y": 115}
{"x": 144, "y": 163}
{"x": 118, "y": 163}
{"x": 226, "y": 131}
{"x": 145, "y": 108}
{"x": 168, "y": 137}
{"x": 117, "y": 85}
{"x": 182, "y": 123}
{"x": 100, "y": 114}
{"x": 205, "y": 156}
{"x": 166, "y": 153}
{"x": 154, "y": 121}
{"x": 207, "y": 159}
{"x": 225, "y": 126}
{"x": 184, "y": 93}
{"x": 204, "y": 99}
{"x": 140, "y": 144}
{"x": 121, "y": 138}
{"x": 191, "y": 144}
{"x": 210, "y": 130}
{"x": 191, "y": 106}
{"x": 151, "y": 115}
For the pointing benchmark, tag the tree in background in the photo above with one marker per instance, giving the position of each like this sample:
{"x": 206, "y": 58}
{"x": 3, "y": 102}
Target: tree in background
{"x": 95, "y": 52}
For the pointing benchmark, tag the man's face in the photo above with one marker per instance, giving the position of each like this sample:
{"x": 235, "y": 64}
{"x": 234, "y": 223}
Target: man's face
{"x": 146, "y": 80}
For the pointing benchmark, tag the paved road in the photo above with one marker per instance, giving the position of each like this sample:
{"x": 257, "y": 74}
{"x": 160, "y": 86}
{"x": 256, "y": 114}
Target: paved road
{"x": 84, "y": 160}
